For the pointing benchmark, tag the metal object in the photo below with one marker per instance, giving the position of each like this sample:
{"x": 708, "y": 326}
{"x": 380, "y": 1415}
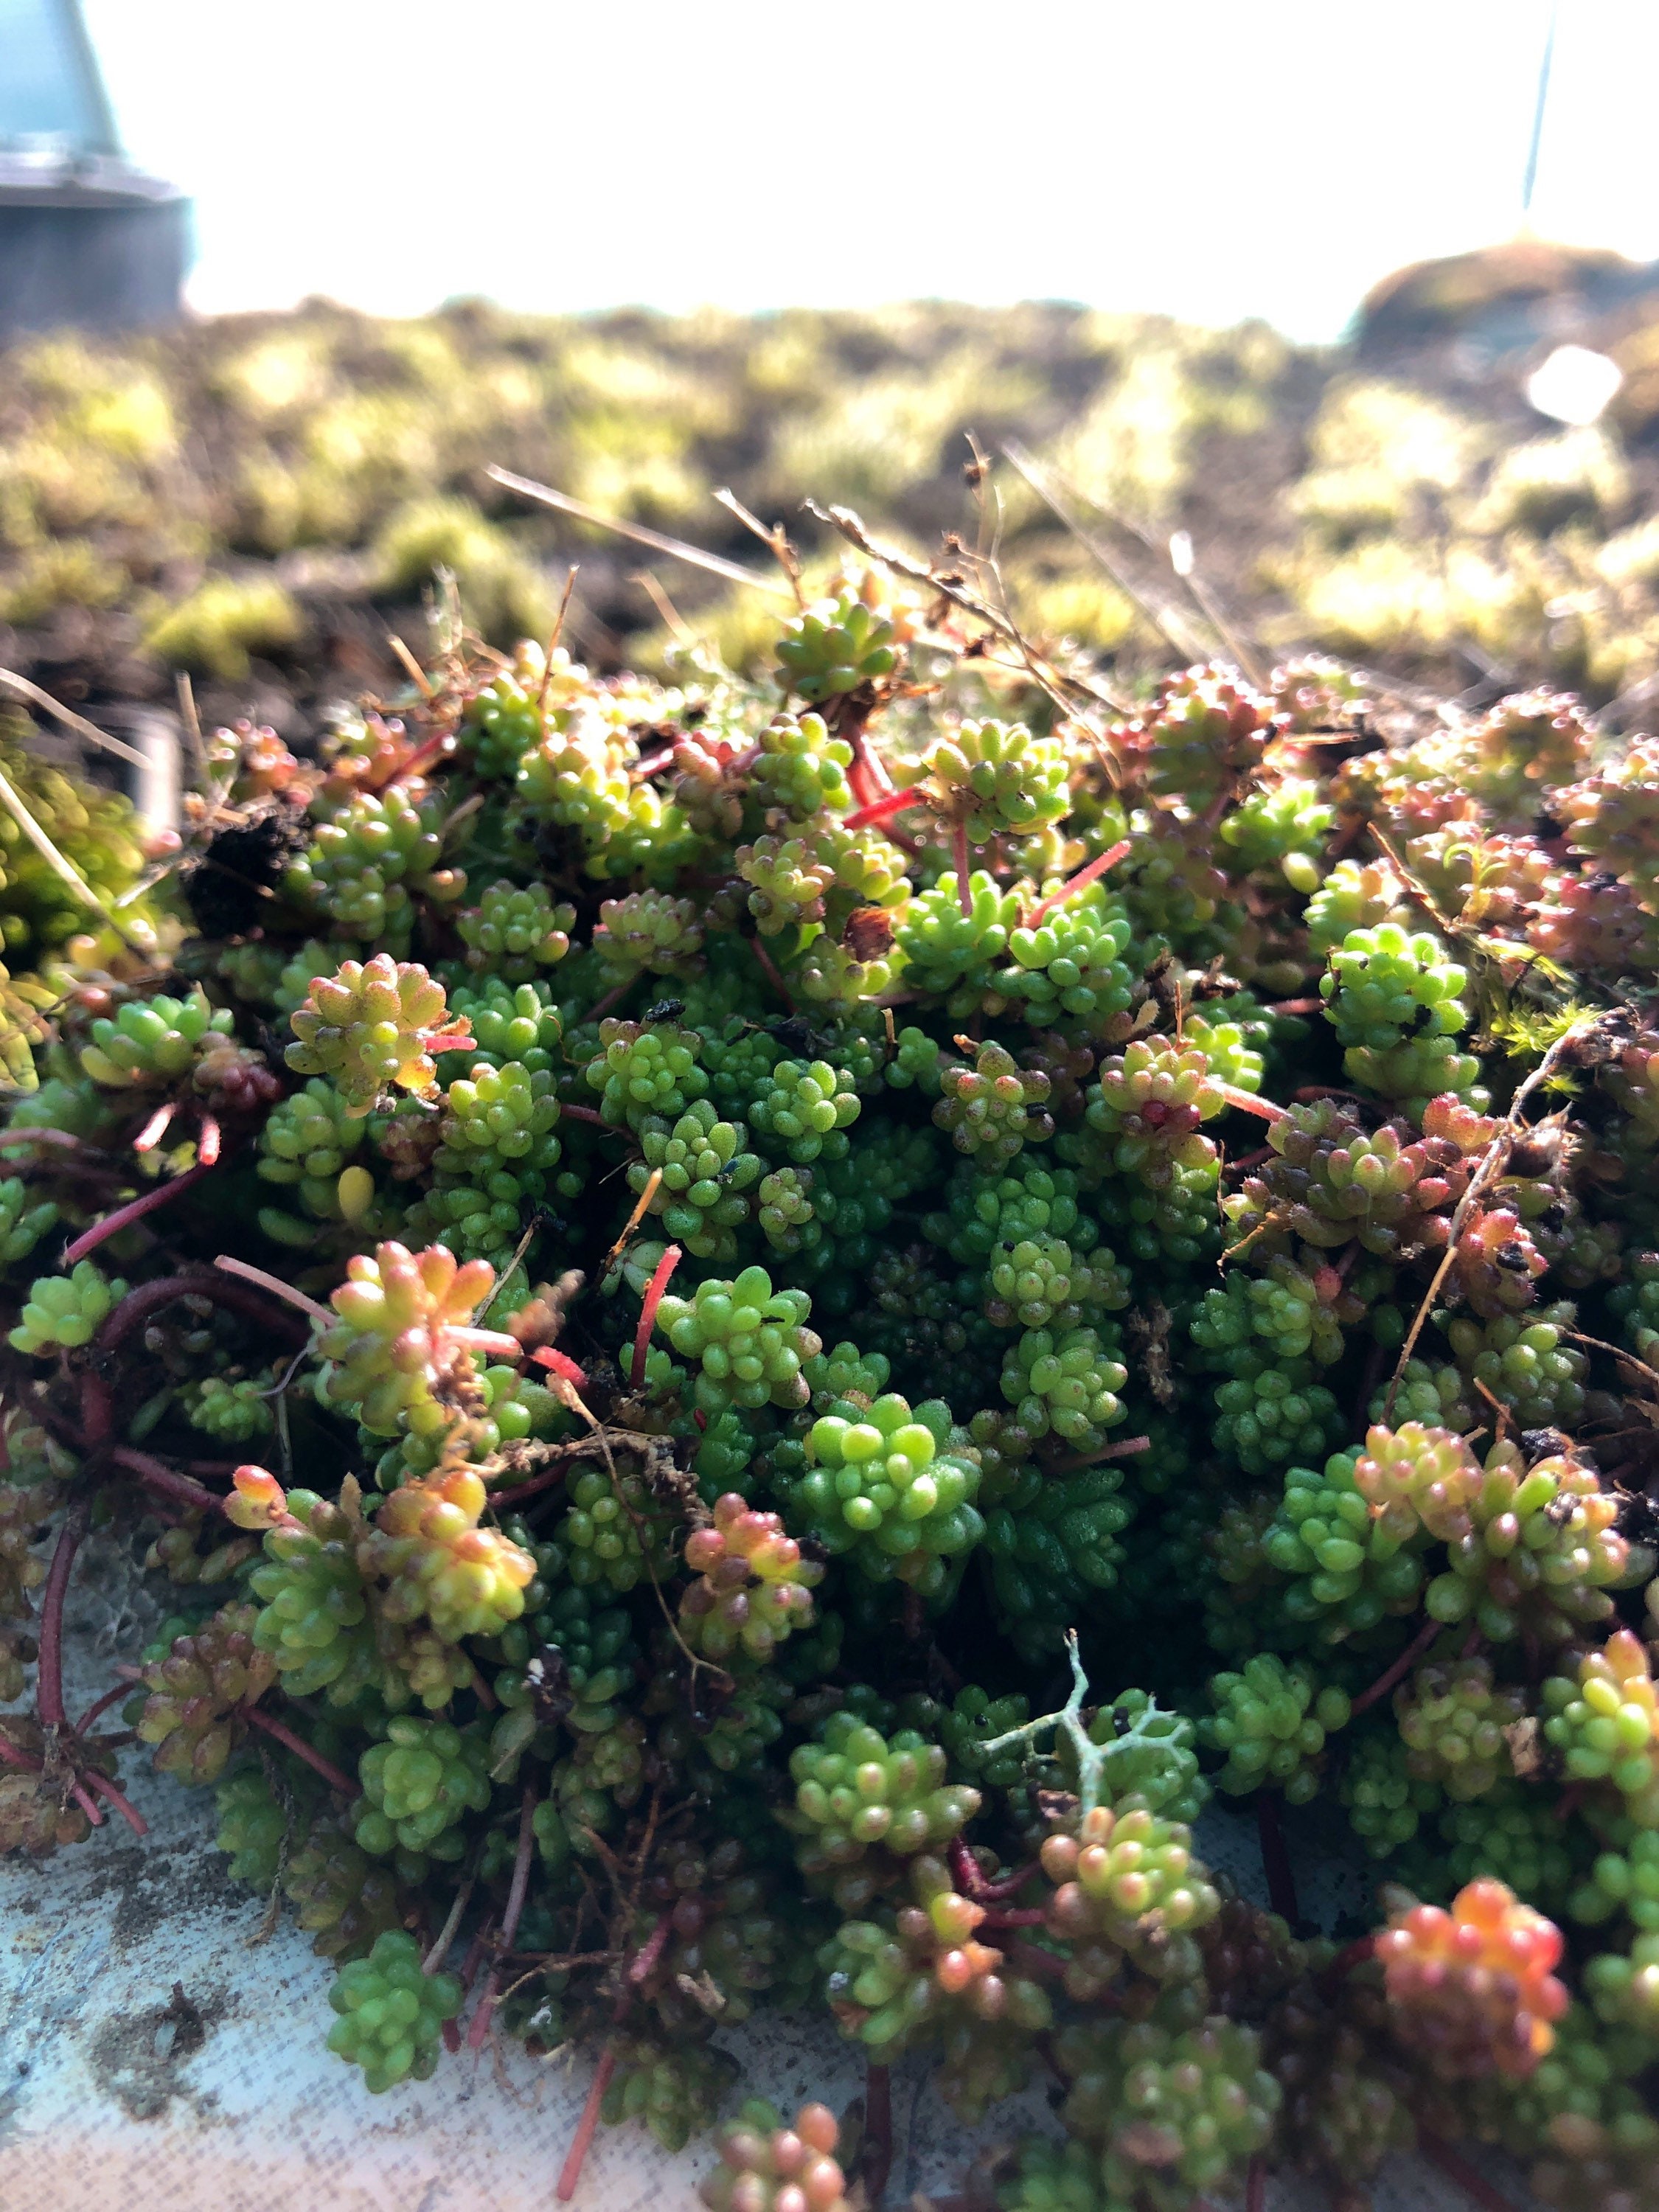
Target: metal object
{"x": 86, "y": 237}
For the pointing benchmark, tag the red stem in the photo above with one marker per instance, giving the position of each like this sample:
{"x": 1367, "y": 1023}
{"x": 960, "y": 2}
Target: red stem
{"x": 284, "y": 1735}
{"x": 654, "y": 1291}
{"x": 77, "y": 1790}
{"x": 1570, "y": 1800}
{"x": 965, "y": 1873}
{"x": 650, "y": 765}
{"x": 92, "y": 1712}
{"x": 959, "y": 846}
{"x": 648, "y": 1957}
{"x": 429, "y": 751}
{"x": 135, "y": 1210}
{"x": 285, "y": 1293}
{"x": 140, "y": 1305}
{"x": 598, "y": 1012}
{"x": 1125, "y": 1448}
{"x": 156, "y": 1128}
{"x": 1458, "y": 2168}
{"x": 1255, "y": 2184}
{"x": 14, "y": 1755}
{"x": 209, "y": 1141}
{"x": 156, "y": 1476}
{"x": 49, "y": 1679}
{"x": 1401, "y": 1666}
{"x": 1247, "y": 1102}
{"x": 470, "y": 1965}
{"x": 519, "y": 1888}
{"x": 584, "y": 1113}
{"x": 891, "y": 803}
{"x": 868, "y": 771}
{"x": 1296, "y": 1007}
{"x": 60, "y": 1136}
{"x": 106, "y": 1788}
{"x": 1023, "y": 1915}
{"x": 97, "y": 1410}
{"x": 769, "y": 969}
{"x": 1276, "y": 1860}
{"x": 1038, "y": 1965}
{"x": 524, "y": 1490}
{"x": 876, "y": 2162}
{"x": 571, "y": 2172}
{"x": 1081, "y": 881}
{"x": 517, "y": 1891}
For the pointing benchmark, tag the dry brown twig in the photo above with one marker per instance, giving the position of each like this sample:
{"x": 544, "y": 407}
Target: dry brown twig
{"x": 1493, "y": 1161}
{"x": 1065, "y": 691}
{"x": 775, "y": 539}
{"x": 676, "y": 548}
{"x": 1162, "y": 619}
{"x": 22, "y": 689}
{"x": 66, "y": 871}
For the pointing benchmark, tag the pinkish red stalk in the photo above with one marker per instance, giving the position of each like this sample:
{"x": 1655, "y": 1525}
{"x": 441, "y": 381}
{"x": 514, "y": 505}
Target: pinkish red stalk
{"x": 210, "y": 1140}
{"x": 97, "y": 1409}
{"x": 158, "y": 1477}
{"x": 1401, "y": 1666}
{"x": 1247, "y": 1102}
{"x": 78, "y": 1792}
{"x": 769, "y": 970}
{"x": 494, "y": 1343}
{"x": 156, "y": 1128}
{"x": 584, "y": 1113}
{"x": 570, "y": 2172}
{"x": 597, "y": 1013}
{"x": 96, "y": 1712}
{"x": 891, "y": 803}
{"x": 516, "y": 1496}
{"x": 1255, "y": 2184}
{"x": 61, "y": 1138}
{"x": 49, "y": 1679}
{"x": 653, "y": 1293}
{"x": 648, "y": 1957}
{"x": 560, "y": 1364}
{"x": 281, "y": 1733}
{"x": 1081, "y": 881}
{"x": 424, "y": 756}
{"x": 867, "y": 771}
{"x": 1250, "y": 1159}
{"x": 140, "y": 1306}
{"x": 971, "y": 1883}
{"x": 469, "y": 1966}
{"x": 275, "y": 1285}
{"x": 1275, "y": 1859}
{"x": 959, "y": 847}
{"x": 876, "y": 2162}
{"x": 1474, "y": 2185}
{"x": 106, "y": 1788}
{"x": 517, "y": 1891}
{"x": 135, "y": 1210}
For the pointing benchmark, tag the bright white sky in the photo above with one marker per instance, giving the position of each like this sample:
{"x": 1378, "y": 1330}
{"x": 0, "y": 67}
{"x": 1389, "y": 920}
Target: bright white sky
{"x": 1213, "y": 159}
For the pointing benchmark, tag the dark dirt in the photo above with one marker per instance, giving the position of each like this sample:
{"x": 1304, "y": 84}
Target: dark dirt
{"x": 140, "y": 2058}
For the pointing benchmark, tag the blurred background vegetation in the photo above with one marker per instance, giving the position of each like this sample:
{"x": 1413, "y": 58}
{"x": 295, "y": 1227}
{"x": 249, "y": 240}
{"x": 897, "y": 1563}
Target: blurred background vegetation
{"x": 257, "y": 499}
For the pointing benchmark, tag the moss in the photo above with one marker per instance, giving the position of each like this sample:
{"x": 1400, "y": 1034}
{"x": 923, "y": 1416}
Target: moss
{"x": 222, "y": 621}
